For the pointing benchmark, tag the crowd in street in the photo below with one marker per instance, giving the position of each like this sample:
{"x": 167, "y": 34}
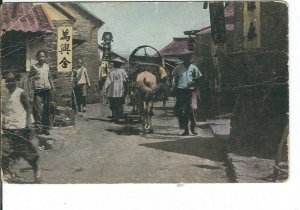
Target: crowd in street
{"x": 24, "y": 114}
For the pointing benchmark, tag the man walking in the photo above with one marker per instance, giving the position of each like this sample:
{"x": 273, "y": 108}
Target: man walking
{"x": 115, "y": 90}
{"x": 186, "y": 78}
{"x": 16, "y": 131}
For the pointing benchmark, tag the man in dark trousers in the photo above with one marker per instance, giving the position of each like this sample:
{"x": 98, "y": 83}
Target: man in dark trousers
{"x": 186, "y": 77}
{"x": 42, "y": 85}
{"x": 114, "y": 89}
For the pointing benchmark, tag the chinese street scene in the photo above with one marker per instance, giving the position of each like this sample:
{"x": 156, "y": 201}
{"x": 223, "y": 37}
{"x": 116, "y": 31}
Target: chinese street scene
{"x": 144, "y": 92}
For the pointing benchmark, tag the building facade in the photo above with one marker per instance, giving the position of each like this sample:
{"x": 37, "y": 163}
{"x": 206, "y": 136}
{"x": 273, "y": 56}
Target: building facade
{"x": 23, "y": 34}
{"x": 259, "y": 72}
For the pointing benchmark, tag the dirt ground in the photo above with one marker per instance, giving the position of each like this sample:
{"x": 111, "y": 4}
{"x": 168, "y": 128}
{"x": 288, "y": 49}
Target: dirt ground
{"x": 99, "y": 151}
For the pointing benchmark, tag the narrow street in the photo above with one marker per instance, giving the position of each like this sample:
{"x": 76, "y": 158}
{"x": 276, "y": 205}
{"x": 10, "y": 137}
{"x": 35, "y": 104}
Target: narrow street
{"x": 99, "y": 151}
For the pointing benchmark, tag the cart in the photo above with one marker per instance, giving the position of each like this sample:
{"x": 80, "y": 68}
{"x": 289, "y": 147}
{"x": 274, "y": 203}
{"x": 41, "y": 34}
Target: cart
{"x": 142, "y": 56}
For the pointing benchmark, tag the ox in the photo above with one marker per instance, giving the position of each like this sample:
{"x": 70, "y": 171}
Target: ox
{"x": 147, "y": 91}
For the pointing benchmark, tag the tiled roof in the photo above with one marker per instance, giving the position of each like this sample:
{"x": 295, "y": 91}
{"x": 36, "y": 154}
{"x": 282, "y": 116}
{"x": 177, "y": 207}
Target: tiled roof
{"x": 24, "y": 17}
{"x": 177, "y": 47}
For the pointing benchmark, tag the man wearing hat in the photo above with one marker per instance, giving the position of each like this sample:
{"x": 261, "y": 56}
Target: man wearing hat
{"x": 186, "y": 78}
{"x": 114, "y": 89}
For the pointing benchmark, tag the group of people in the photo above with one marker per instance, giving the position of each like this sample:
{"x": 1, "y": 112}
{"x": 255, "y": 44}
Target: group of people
{"x": 112, "y": 85}
{"x": 22, "y": 109}
{"x": 185, "y": 85}
{"x": 35, "y": 102}
{"x": 112, "y": 79}
{"x": 23, "y": 112}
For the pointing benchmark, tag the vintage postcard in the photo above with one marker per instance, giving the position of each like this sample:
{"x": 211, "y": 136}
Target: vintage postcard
{"x": 144, "y": 92}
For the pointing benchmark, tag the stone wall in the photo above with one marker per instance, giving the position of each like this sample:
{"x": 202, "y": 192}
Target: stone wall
{"x": 260, "y": 78}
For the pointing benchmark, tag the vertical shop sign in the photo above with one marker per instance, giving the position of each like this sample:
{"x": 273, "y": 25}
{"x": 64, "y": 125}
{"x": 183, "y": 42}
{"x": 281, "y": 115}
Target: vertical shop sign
{"x": 251, "y": 24}
{"x": 64, "y": 48}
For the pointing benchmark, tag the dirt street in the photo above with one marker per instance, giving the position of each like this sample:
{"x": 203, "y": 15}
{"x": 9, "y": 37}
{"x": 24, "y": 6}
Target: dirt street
{"x": 99, "y": 151}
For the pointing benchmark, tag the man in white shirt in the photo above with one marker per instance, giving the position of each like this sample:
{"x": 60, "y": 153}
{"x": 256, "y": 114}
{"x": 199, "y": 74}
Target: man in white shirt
{"x": 186, "y": 78}
{"x": 114, "y": 89}
{"x": 16, "y": 131}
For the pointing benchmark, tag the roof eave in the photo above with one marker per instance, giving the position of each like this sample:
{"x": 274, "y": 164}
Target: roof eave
{"x": 64, "y": 11}
{"x": 95, "y": 19}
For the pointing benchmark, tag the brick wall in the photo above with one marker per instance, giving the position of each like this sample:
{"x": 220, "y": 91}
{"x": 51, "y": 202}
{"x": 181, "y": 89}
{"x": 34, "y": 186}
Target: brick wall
{"x": 62, "y": 80}
{"x": 86, "y": 29}
{"x": 83, "y": 29}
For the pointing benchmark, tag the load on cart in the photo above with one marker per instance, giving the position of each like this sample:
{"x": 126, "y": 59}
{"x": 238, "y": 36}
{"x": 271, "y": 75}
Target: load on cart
{"x": 148, "y": 83}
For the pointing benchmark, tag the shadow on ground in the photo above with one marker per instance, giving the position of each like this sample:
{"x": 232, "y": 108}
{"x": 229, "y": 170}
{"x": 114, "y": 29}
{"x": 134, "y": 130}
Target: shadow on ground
{"x": 126, "y": 130}
{"x": 207, "y": 148}
{"x": 99, "y": 119}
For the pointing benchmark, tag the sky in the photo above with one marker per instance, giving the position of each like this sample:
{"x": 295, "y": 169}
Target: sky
{"x": 152, "y": 23}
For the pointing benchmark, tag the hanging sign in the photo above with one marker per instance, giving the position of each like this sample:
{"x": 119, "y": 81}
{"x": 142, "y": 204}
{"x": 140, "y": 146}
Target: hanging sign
{"x": 251, "y": 24}
{"x": 64, "y": 48}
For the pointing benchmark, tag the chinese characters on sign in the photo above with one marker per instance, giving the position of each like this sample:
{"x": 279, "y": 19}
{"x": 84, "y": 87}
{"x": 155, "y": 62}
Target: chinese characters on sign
{"x": 64, "y": 48}
{"x": 251, "y": 25}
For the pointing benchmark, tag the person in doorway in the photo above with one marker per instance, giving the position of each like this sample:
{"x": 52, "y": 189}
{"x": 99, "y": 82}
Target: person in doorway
{"x": 186, "y": 77}
{"x": 43, "y": 87}
{"x": 81, "y": 80}
{"x": 16, "y": 130}
{"x": 114, "y": 89}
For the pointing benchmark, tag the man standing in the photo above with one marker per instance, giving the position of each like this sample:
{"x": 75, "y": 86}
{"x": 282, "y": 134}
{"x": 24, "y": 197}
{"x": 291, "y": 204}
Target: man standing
{"x": 42, "y": 85}
{"x": 186, "y": 78}
{"x": 103, "y": 73}
{"x": 81, "y": 80}
{"x": 115, "y": 90}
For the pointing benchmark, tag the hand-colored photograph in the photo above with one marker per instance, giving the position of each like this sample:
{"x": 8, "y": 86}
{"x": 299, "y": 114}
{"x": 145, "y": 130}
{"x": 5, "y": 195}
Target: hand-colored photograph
{"x": 144, "y": 92}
